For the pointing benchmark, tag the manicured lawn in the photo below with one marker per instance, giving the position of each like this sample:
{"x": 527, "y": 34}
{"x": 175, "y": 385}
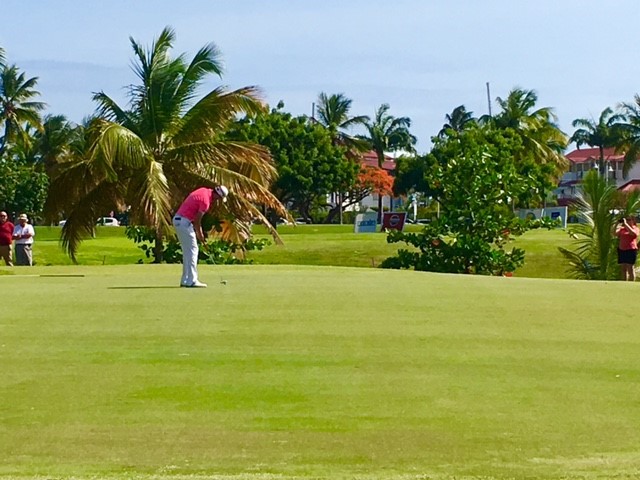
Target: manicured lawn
{"x": 337, "y": 245}
{"x": 329, "y": 245}
{"x": 315, "y": 372}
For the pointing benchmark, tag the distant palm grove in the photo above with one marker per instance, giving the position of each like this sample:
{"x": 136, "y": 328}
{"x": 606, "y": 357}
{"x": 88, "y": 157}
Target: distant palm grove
{"x": 139, "y": 160}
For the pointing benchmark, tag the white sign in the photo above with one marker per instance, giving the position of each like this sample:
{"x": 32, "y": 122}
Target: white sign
{"x": 366, "y": 222}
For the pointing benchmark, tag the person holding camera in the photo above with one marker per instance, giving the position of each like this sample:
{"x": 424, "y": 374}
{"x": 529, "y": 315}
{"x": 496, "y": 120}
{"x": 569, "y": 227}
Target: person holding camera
{"x": 627, "y": 233}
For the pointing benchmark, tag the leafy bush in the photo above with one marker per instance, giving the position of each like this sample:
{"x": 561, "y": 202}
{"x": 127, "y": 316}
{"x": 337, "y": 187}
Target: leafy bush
{"x": 214, "y": 252}
{"x": 474, "y": 178}
{"x": 593, "y": 255}
{"x": 223, "y": 252}
{"x": 463, "y": 253}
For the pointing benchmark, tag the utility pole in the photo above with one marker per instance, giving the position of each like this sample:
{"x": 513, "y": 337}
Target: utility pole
{"x": 489, "y": 99}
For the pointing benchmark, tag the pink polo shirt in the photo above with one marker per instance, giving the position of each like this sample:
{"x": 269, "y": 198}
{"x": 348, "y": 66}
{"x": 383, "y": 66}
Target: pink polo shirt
{"x": 628, "y": 240}
{"x": 196, "y": 202}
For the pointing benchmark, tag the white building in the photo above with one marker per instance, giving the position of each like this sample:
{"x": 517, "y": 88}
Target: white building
{"x": 584, "y": 160}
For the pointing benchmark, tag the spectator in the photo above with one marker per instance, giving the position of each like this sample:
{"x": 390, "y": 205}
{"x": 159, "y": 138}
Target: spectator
{"x": 6, "y": 239}
{"x": 23, "y": 234}
{"x": 627, "y": 232}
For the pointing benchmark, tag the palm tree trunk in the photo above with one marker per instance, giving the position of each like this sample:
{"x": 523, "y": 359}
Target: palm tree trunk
{"x": 601, "y": 168}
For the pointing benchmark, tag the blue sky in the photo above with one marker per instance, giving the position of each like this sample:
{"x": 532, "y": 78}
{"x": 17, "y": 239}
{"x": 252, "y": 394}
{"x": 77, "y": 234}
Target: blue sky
{"x": 423, "y": 57}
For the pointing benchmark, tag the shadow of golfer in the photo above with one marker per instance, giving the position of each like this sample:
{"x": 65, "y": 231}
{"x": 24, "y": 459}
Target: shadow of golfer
{"x": 142, "y": 287}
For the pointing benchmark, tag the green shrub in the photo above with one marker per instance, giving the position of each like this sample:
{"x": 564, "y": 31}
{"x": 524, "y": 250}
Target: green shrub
{"x": 214, "y": 252}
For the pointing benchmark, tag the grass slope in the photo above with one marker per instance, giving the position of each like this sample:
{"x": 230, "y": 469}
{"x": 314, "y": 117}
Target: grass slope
{"x": 315, "y": 372}
{"x": 329, "y": 245}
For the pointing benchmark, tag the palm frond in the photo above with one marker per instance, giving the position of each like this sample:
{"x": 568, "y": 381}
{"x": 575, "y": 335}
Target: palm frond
{"x": 115, "y": 145}
{"x": 150, "y": 196}
{"x": 81, "y": 218}
{"x": 206, "y": 61}
{"x": 214, "y": 112}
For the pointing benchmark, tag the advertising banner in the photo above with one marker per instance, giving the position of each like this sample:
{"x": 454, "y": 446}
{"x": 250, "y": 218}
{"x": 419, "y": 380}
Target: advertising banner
{"x": 366, "y": 222}
{"x": 393, "y": 220}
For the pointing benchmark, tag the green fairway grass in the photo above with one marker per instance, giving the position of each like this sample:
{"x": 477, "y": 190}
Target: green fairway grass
{"x": 328, "y": 245}
{"x": 315, "y": 372}
{"x": 337, "y": 245}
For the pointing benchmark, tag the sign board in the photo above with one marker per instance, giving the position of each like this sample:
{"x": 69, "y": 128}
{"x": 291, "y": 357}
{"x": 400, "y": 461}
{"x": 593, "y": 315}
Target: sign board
{"x": 393, "y": 220}
{"x": 554, "y": 213}
{"x": 366, "y": 222}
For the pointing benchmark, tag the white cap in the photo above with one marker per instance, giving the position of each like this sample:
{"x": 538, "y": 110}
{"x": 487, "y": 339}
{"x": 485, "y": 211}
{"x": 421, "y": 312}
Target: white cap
{"x": 222, "y": 192}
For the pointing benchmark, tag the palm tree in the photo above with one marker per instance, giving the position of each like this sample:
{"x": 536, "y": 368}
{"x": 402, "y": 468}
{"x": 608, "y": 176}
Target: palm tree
{"x": 387, "y": 133}
{"x": 2, "y": 58}
{"x": 166, "y": 143}
{"x": 17, "y": 107}
{"x": 54, "y": 141}
{"x": 631, "y": 133}
{"x": 537, "y": 128}
{"x": 606, "y": 133}
{"x": 594, "y": 256}
{"x": 457, "y": 120}
{"x": 333, "y": 114}
{"x": 543, "y": 142}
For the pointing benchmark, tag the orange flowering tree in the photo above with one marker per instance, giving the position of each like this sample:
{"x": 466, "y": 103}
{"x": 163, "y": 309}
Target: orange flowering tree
{"x": 370, "y": 180}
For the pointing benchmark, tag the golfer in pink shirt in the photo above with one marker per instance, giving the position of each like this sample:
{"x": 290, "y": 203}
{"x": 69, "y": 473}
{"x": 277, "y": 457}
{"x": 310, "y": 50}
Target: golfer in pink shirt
{"x": 187, "y": 222}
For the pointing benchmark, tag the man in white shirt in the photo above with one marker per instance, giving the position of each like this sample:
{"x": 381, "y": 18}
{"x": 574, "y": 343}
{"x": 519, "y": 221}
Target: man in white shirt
{"x": 23, "y": 234}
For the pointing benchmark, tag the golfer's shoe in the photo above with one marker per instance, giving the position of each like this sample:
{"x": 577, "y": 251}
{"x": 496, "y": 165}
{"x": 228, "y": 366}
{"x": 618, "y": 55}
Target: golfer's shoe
{"x": 197, "y": 285}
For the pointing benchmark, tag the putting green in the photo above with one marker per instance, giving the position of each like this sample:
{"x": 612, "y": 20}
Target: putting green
{"x": 315, "y": 372}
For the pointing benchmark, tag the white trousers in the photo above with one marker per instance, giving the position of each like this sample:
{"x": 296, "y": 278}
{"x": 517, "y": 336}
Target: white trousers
{"x": 189, "y": 244}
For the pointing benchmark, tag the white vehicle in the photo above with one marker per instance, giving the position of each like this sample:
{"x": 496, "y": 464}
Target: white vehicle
{"x": 108, "y": 222}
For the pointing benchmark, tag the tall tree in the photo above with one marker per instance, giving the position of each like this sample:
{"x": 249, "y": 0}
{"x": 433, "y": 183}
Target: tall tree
{"x": 167, "y": 142}
{"x": 607, "y": 132}
{"x": 334, "y": 114}
{"x": 309, "y": 164}
{"x": 24, "y": 182}
{"x": 457, "y": 120}
{"x": 386, "y": 133}
{"x": 473, "y": 177}
{"x": 54, "y": 141}
{"x": 543, "y": 156}
{"x": 17, "y": 105}
{"x": 630, "y": 142}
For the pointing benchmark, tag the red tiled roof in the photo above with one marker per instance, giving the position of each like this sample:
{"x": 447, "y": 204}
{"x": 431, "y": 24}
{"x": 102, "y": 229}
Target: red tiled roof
{"x": 593, "y": 154}
{"x": 370, "y": 159}
{"x": 630, "y": 186}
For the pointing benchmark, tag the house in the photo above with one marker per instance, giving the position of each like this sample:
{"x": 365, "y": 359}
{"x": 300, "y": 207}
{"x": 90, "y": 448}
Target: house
{"x": 584, "y": 160}
{"x": 370, "y": 159}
